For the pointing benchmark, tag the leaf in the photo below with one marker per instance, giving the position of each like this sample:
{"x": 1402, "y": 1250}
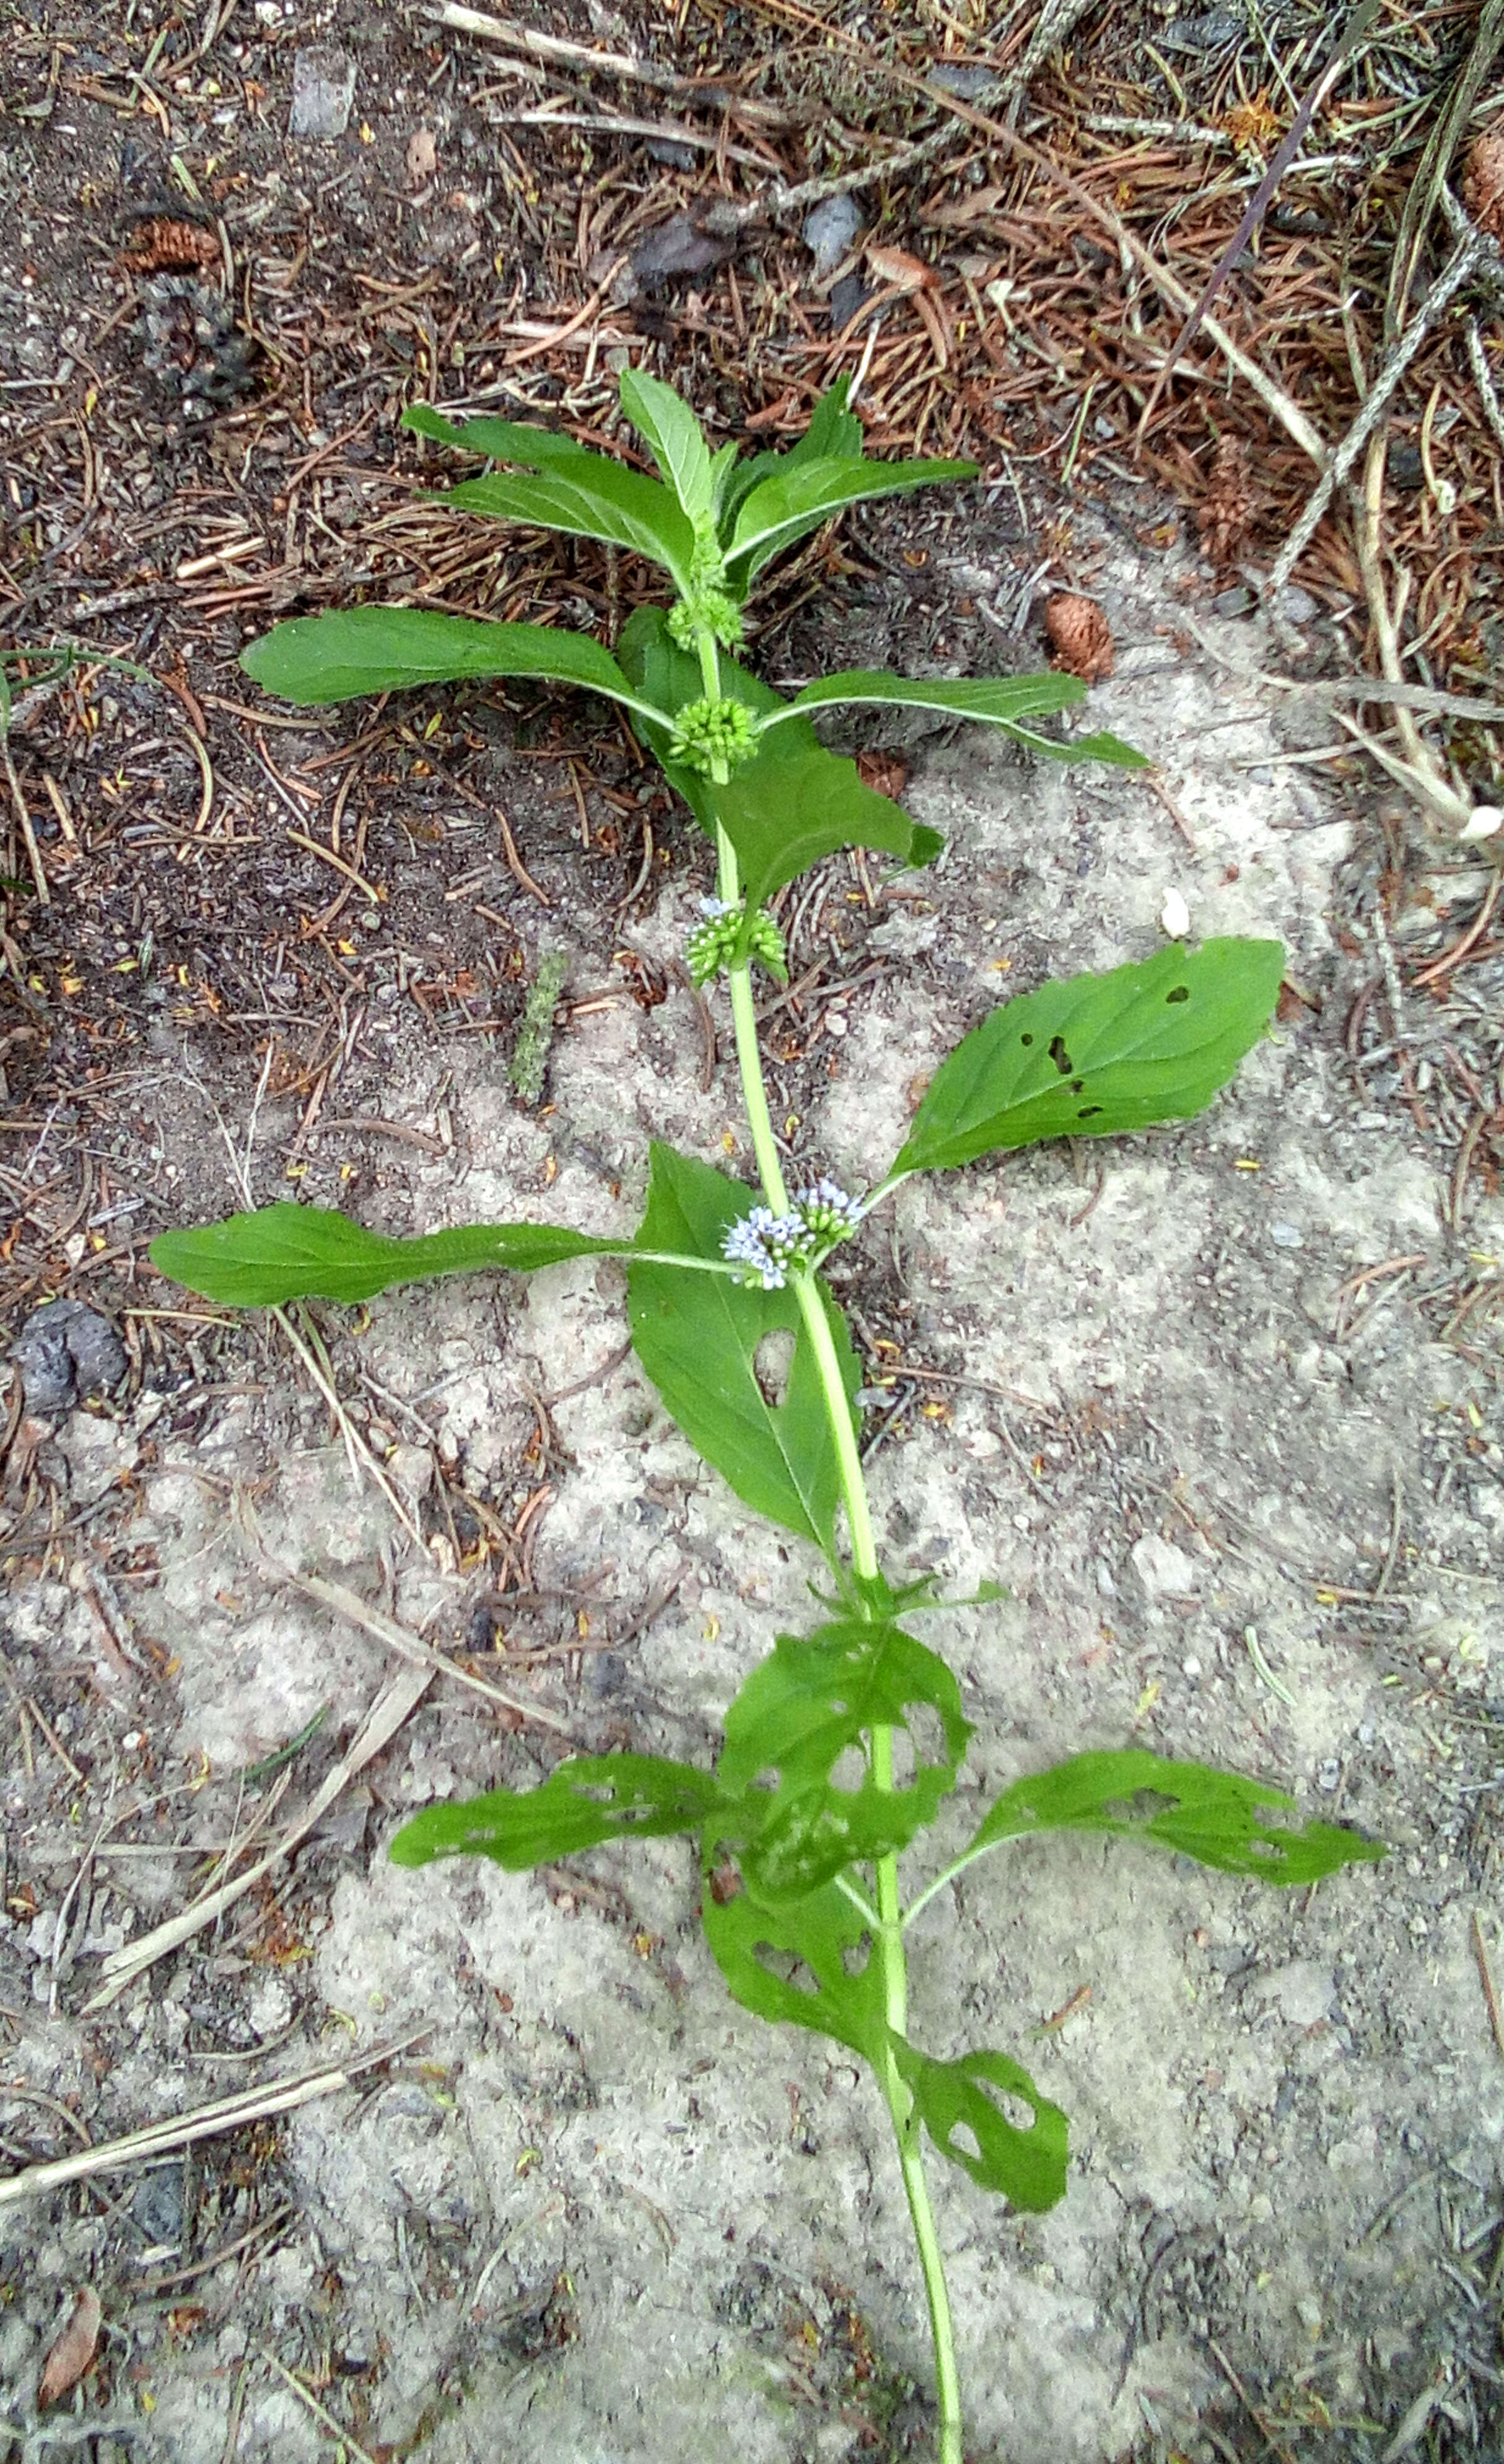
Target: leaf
{"x": 1217, "y": 1817}
{"x": 697, "y": 1337}
{"x": 1003, "y": 700}
{"x": 799, "y": 1712}
{"x": 1025, "y": 2161}
{"x": 592, "y": 498}
{"x": 1098, "y": 1054}
{"x": 596, "y": 1797}
{"x": 798, "y": 498}
{"x": 755, "y": 1946}
{"x": 794, "y": 804}
{"x": 293, "y": 1253}
{"x": 834, "y": 434}
{"x": 73, "y": 2350}
{"x": 673, "y": 436}
{"x": 390, "y": 649}
{"x": 500, "y": 440}
{"x": 1100, "y": 747}
{"x": 795, "y": 801}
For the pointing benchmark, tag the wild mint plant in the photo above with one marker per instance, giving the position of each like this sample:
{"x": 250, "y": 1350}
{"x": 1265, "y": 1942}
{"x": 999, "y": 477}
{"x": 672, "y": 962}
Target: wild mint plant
{"x": 843, "y": 1744}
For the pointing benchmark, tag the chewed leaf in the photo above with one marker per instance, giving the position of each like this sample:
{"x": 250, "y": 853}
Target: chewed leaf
{"x": 1218, "y": 1818}
{"x": 1022, "y": 2154}
{"x": 1098, "y": 1054}
{"x": 804, "y": 1707}
{"x": 598, "y": 1797}
{"x": 809, "y": 1961}
{"x": 698, "y": 1337}
{"x": 302, "y": 1253}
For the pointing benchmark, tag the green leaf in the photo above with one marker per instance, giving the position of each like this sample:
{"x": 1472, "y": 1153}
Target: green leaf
{"x": 390, "y": 649}
{"x": 293, "y": 1253}
{"x": 1100, "y": 747}
{"x": 500, "y": 440}
{"x": 1003, "y": 700}
{"x": 697, "y": 1337}
{"x": 1098, "y": 1054}
{"x": 803, "y": 494}
{"x": 590, "y": 498}
{"x": 602, "y": 1796}
{"x": 794, "y": 804}
{"x": 1024, "y": 2160}
{"x": 799, "y": 1711}
{"x": 790, "y": 1961}
{"x": 834, "y": 434}
{"x": 673, "y": 437}
{"x": 795, "y": 801}
{"x": 1217, "y": 1817}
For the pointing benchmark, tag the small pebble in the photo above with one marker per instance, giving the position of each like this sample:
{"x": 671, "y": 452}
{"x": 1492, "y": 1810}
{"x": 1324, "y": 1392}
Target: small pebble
{"x": 1287, "y": 1236}
{"x": 830, "y": 230}
{"x": 65, "y": 1351}
{"x": 323, "y": 93}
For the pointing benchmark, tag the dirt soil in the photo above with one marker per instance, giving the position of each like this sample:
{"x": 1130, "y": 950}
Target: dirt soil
{"x": 1219, "y": 1405}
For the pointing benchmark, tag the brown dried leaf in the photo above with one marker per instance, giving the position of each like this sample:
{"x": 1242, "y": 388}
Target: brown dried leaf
{"x": 885, "y": 773}
{"x": 904, "y": 273}
{"x": 73, "y": 2349}
{"x": 1081, "y": 635}
{"x": 164, "y": 243}
{"x": 1483, "y": 182}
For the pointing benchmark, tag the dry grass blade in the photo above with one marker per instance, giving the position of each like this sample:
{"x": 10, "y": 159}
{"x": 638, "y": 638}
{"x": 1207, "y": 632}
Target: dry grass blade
{"x": 386, "y": 1715}
{"x": 409, "y": 1646}
{"x": 205, "y": 2121}
{"x": 1424, "y": 191}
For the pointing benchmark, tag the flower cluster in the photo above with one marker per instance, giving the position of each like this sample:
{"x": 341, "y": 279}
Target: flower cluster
{"x": 768, "y": 1244}
{"x": 714, "y": 737}
{"x": 706, "y": 609}
{"x": 713, "y": 944}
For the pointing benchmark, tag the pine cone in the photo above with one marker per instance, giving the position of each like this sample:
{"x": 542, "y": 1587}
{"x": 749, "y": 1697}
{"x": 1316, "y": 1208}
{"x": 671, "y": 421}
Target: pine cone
{"x": 1080, "y": 636}
{"x": 1226, "y": 516}
{"x": 1483, "y": 182}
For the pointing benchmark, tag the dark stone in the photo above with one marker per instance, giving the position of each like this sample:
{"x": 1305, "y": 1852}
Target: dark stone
{"x": 679, "y": 246}
{"x": 672, "y": 151}
{"x": 845, "y": 299}
{"x": 66, "y": 1351}
{"x": 158, "y": 2206}
{"x": 605, "y": 1673}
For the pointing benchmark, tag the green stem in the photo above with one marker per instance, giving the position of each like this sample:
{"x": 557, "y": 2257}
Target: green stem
{"x": 889, "y": 1924}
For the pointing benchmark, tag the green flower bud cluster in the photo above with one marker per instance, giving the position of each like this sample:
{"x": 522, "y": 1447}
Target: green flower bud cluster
{"x": 713, "y": 944}
{"x": 714, "y": 737}
{"x": 707, "y": 610}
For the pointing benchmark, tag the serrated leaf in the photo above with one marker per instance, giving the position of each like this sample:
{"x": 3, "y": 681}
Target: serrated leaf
{"x": 595, "y": 1799}
{"x": 673, "y": 437}
{"x": 805, "y": 494}
{"x": 1218, "y": 1818}
{"x": 791, "y": 1961}
{"x": 335, "y": 657}
{"x": 1025, "y": 2161}
{"x": 500, "y": 440}
{"x": 1000, "y": 700}
{"x": 797, "y": 1713}
{"x": 590, "y": 498}
{"x": 795, "y": 801}
{"x": 292, "y": 1253}
{"x": 697, "y": 1337}
{"x": 1098, "y": 1054}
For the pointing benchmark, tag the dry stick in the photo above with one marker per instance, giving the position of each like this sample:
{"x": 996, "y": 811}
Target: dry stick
{"x": 205, "y": 2121}
{"x": 1419, "y": 772}
{"x": 397, "y": 1699}
{"x": 458, "y": 20}
{"x": 1483, "y": 379}
{"x": 1352, "y": 33}
{"x": 409, "y": 1646}
{"x": 1460, "y": 268}
{"x": 1429, "y": 186}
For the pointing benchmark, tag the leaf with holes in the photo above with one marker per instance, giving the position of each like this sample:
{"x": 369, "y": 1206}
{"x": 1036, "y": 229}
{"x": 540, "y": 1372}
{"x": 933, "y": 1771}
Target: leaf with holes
{"x": 598, "y": 1797}
{"x": 305, "y": 1253}
{"x": 1098, "y": 1054}
{"x": 809, "y": 1703}
{"x": 698, "y": 1337}
{"x": 1218, "y": 1818}
{"x": 809, "y": 1961}
{"x": 1024, "y": 2159}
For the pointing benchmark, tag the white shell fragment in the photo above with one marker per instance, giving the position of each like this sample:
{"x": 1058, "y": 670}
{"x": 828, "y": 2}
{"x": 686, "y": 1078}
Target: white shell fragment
{"x": 1483, "y": 822}
{"x": 1174, "y": 915}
